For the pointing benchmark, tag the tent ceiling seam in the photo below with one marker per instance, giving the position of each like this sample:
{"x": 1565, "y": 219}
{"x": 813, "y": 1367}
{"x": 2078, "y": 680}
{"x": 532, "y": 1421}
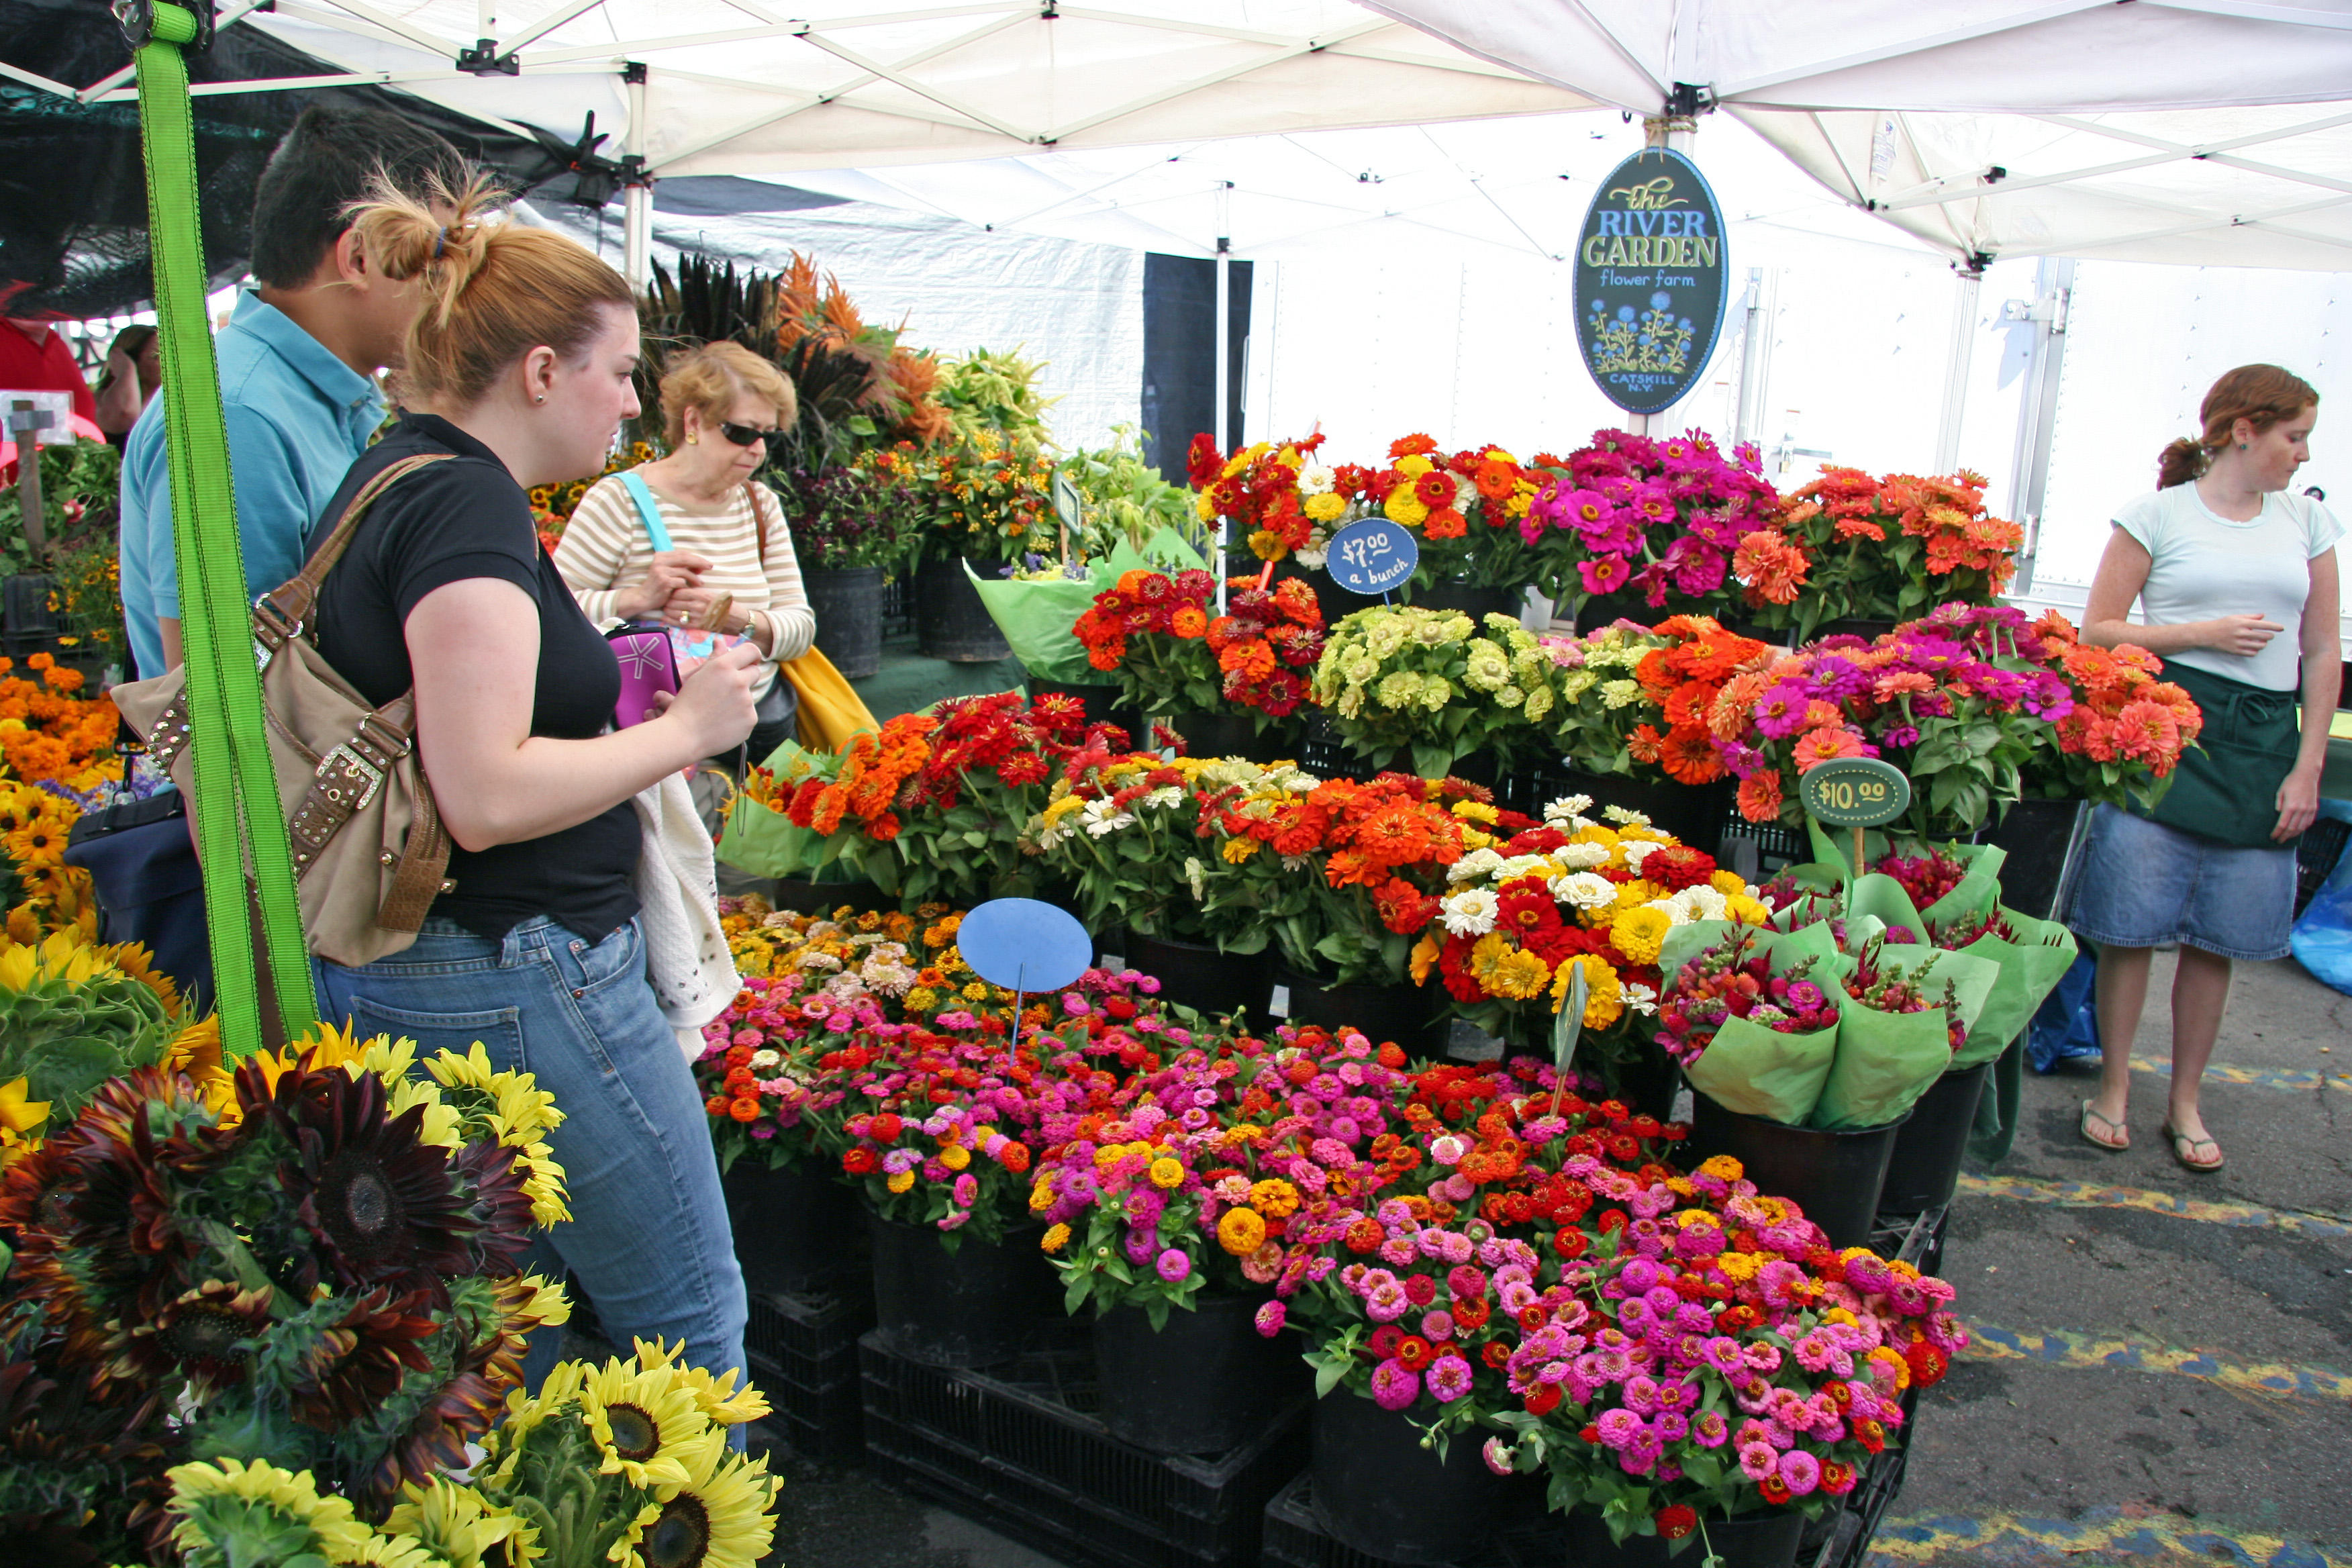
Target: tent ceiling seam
{"x": 899, "y": 78}
{"x": 2291, "y": 15}
{"x": 1618, "y": 45}
{"x": 1213, "y": 78}
{"x": 547, "y": 24}
{"x": 1909, "y": 46}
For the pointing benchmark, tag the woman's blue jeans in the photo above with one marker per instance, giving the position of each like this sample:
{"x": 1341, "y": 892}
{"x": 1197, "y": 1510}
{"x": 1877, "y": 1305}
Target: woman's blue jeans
{"x": 648, "y": 1238}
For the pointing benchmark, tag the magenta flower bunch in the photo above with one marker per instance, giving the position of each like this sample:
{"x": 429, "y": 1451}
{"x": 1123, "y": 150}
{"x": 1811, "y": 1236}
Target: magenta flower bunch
{"x": 1733, "y": 980}
{"x": 1723, "y": 1359}
{"x": 1659, "y": 517}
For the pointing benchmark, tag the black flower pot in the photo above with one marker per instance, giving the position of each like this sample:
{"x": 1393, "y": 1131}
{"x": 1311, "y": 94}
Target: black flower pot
{"x": 796, "y": 1228}
{"x": 1384, "y": 1495}
{"x": 1924, "y": 1167}
{"x": 950, "y": 622}
{"x": 1235, "y": 735}
{"x": 848, "y": 604}
{"x": 1473, "y": 601}
{"x": 1695, "y": 814}
{"x": 1198, "y": 975}
{"x": 1646, "y": 1081}
{"x": 1765, "y": 1540}
{"x": 806, "y": 898}
{"x": 2043, "y": 838}
{"x": 1836, "y": 1177}
{"x": 976, "y": 1306}
{"x": 1207, "y": 1383}
{"x": 1416, "y": 1018}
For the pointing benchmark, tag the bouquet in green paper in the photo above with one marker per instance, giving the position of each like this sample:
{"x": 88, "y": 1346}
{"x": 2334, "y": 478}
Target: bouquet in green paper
{"x": 1904, "y": 1012}
{"x": 1753, "y": 1017}
{"x": 2033, "y": 956}
{"x": 1038, "y": 601}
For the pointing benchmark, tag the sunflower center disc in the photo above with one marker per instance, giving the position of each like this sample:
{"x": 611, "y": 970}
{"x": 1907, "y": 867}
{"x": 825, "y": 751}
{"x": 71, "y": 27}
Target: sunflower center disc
{"x": 635, "y": 1435}
{"x": 680, "y": 1537}
{"x": 204, "y": 1333}
{"x": 367, "y": 1202}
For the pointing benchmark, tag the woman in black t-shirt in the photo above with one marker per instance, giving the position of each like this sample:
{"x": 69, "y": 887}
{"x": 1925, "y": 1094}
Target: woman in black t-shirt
{"x": 518, "y": 373}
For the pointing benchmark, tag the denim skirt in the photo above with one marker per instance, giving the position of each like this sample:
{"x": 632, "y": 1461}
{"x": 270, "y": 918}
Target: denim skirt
{"x": 2144, "y": 885}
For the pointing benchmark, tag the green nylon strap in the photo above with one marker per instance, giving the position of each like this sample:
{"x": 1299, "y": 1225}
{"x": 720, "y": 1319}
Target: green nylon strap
{"x": 240, "y": 822}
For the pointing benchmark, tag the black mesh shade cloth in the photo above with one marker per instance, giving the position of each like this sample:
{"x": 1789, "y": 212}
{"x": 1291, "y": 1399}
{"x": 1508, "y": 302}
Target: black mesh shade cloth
{"x": 73, "y": 194}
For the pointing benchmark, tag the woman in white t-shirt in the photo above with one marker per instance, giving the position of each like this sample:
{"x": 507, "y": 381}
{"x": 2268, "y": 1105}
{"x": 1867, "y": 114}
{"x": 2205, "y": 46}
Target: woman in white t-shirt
{"x": 2236, "y": 579}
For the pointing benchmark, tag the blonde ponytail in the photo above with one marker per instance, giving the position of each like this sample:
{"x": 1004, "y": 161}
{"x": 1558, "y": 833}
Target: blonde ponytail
{"x": 492, "y": 291}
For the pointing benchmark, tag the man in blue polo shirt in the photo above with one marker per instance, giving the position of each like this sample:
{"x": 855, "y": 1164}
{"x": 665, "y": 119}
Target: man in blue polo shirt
{"x": 297, "y": 362}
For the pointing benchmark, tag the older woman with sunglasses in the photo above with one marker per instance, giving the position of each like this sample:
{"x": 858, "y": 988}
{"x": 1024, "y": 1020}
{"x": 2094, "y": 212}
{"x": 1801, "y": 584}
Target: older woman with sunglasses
{"x": 721, "y": 556}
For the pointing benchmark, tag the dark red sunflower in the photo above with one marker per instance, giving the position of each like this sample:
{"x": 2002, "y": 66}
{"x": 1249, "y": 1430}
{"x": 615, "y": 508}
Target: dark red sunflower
{"x": 381, "y": 1204}
{"x": 195, "y": 1335}
{"x": 358, "y": 1363}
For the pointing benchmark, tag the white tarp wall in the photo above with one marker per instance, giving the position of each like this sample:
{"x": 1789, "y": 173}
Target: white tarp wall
{"x": 1077, "y": 307}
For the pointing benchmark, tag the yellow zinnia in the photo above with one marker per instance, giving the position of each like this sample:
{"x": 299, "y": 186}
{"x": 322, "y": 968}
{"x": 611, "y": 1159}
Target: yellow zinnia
{"x": 1636, "y": 932}
{"x": 1056, "y": 1237}
{"x": 1241, "y": 1232}
{"x": 1167, "y": 1171}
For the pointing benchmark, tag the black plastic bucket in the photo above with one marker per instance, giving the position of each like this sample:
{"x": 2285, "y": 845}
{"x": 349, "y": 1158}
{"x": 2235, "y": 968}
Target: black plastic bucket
{"x": 848, "y": 604}
{"x": 1868, "y": 627}
{"x": 1235, "y": 735}
{"x": 1765, "y": 1540}
{"x": 1924, "y": 1166}
{"x": 806, "y": 898}
{"x": 1836, "y": 1177}
{"x": 1199, "y": 975}
{"x": 1384, "y": 1495}
{"x": 951, "y": 623}
{"x": 1416, "y": 1018}
{"x": 1473, "y": 601}
{"x": 2039, "y": 835}
{"x": 1101, "y": 703}
{"x": 976, "y": 1306}
{"x": 1207, "y": 1383}
{"x": 796, "y": 1228}
{"x": 1695, "y": 814}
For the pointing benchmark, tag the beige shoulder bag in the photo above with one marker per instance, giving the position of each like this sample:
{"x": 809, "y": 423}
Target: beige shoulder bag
{"x": 369, "y": 847}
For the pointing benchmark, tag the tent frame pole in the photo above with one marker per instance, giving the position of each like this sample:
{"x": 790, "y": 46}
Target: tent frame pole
{"x": 637, "y": 195}
{"x": 1224, "y": 346}
{"x": 2037, "y": 411}
{"x": 1675, "y": 129}
{"x": 1968, "y": 279}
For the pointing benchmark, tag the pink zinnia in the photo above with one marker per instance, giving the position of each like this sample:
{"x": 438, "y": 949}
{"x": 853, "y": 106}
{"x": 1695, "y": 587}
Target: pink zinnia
{"x": 1449, "y": 1379}
{"x": 1270, "y": 1317}
{"x": 1394, "y": 1385}
{"x": 1801, "y": 1472}
{"x": 1757, "y": 1462}
{"x": 1174, "y": 1266}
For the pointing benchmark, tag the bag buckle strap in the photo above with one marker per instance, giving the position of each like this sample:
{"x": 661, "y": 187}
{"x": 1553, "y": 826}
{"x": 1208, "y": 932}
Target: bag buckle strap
{"x": 349, "y": 778}
{"x": 170, "y": 736}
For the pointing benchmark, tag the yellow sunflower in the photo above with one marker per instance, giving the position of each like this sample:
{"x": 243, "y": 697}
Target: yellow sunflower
{"x": 217, "y": 1502}
{"x": 721, "y": 1515}
{"x": 456, "y": 1525}
{"x": 641, "y": 1418}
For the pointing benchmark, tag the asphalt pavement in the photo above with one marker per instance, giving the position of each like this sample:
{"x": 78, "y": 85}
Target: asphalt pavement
{"x": 2163, "y": 1366}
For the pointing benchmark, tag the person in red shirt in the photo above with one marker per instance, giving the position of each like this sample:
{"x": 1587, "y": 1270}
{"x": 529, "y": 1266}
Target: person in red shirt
{"x": 35, "y": 357}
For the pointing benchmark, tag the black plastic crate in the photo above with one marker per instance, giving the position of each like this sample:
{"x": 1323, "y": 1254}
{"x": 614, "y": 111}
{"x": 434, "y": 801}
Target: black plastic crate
{"x": 1295, "y": 1537}
{"x": 1776, "y": 846}
{"x": 1019, "y": 1448}
{"x": 813, "y": 1337}
{"x": 1846, "y": 1543}
{"x": 897, "y": 608}
{"x": 1916, "y": 1239}
{"x": 2315, "y": 853}
{"x": 827, "y": 1423}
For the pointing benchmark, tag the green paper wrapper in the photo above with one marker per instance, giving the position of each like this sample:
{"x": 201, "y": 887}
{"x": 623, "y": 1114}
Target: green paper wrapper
{"x": 765, "y": 843}
{"x": 2029, "y": 969}
{"x": 1748, "y": 1068}
{"x": 1885, "y": 1061}
{"x": 1036, "y": 617}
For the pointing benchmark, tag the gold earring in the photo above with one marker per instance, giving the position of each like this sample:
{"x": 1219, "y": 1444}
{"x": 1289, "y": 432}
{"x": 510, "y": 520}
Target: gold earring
{"x": 694, "y": 440}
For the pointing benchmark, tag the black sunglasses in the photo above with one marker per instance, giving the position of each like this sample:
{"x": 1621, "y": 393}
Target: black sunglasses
{"x": 749, "y": 435}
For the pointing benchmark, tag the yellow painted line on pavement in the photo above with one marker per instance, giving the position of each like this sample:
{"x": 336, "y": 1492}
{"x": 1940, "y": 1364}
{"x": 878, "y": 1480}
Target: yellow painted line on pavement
{"x": 2106, "y": 1351}
{"x": 2095, "y": 1195}
{"x": 2016, "y": 1537}
{"x": 2300, "y": 1079}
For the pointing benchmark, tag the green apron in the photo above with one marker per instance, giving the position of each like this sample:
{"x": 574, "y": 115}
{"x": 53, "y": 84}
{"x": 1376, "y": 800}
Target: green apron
{"x": 2226, "y": 787}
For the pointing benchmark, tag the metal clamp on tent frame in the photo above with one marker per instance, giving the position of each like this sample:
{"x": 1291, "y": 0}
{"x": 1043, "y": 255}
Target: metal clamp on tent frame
{"x": 137, "y": 20}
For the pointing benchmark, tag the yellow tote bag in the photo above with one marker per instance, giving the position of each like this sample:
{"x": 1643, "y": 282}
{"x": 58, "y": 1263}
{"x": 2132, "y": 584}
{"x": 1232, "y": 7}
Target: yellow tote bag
{"x": 831, "y": 711}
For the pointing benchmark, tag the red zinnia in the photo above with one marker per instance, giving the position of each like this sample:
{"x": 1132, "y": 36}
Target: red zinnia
{"x": 1676, "y": 1521}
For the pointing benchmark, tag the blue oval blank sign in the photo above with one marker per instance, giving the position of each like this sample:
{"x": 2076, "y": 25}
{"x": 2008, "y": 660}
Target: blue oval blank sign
{"x": 1024, "y": 944}
{"x": 1371, "y": 555}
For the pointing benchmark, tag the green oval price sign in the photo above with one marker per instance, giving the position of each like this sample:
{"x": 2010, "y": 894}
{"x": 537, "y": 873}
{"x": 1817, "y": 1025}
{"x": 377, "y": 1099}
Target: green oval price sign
{"x": 1855, "y": 791}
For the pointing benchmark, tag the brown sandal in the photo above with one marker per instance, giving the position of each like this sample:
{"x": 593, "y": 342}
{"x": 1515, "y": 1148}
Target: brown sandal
{"x": 2118, "y": 1137}
{"x": 2184, "y": 1150}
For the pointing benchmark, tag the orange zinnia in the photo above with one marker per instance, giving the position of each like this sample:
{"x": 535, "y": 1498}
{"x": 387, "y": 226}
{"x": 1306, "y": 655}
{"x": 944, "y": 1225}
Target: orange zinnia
{"x": 1816, "y": 746}
{"x": 1689, "y": 755}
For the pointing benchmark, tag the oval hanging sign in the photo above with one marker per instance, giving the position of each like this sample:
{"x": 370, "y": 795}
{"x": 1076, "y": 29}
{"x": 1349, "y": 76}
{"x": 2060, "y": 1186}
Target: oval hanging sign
{"x": 1371, "y": 555}
{"x": 1855, "y": 792}
{"x": 1652, "y": 278}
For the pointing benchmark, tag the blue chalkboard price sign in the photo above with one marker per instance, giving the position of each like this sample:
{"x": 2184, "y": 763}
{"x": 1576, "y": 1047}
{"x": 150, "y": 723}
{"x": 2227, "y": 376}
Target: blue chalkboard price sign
{"x": 1372, "y": 556}
{"x": 1652, "y": 278}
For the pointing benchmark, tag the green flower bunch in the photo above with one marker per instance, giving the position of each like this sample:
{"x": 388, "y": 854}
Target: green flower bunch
{"x": 1431, "y": 687}
{"x": 1600, "y": 699}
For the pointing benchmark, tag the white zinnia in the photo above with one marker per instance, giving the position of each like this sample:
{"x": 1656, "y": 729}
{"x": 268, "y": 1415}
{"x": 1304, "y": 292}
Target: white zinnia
{"x": 1585, "y": 890}
{"x": 1700, "y": 902}
{"x": 1625, "y": 818}
{"x": 1568, "y": 810}
{"x": 1473, "y": 866}
{"x": 1640, "y": 998}
{"x": 1637, "y": 850}
{"x": 1581, "y": 857}
{"x": 1470, "y": 913}
{"x": 1100, "y": 817}
{"x": 1314, "y": 479}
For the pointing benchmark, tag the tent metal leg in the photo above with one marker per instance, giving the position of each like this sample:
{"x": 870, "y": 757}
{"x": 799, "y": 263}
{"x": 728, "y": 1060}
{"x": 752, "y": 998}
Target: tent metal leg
{"x": 2037, "y": 411}
{"x": 1969, "y": 281}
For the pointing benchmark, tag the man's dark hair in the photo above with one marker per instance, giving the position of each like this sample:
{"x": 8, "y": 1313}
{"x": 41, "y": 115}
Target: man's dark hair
{"x": 325, "y": 164}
